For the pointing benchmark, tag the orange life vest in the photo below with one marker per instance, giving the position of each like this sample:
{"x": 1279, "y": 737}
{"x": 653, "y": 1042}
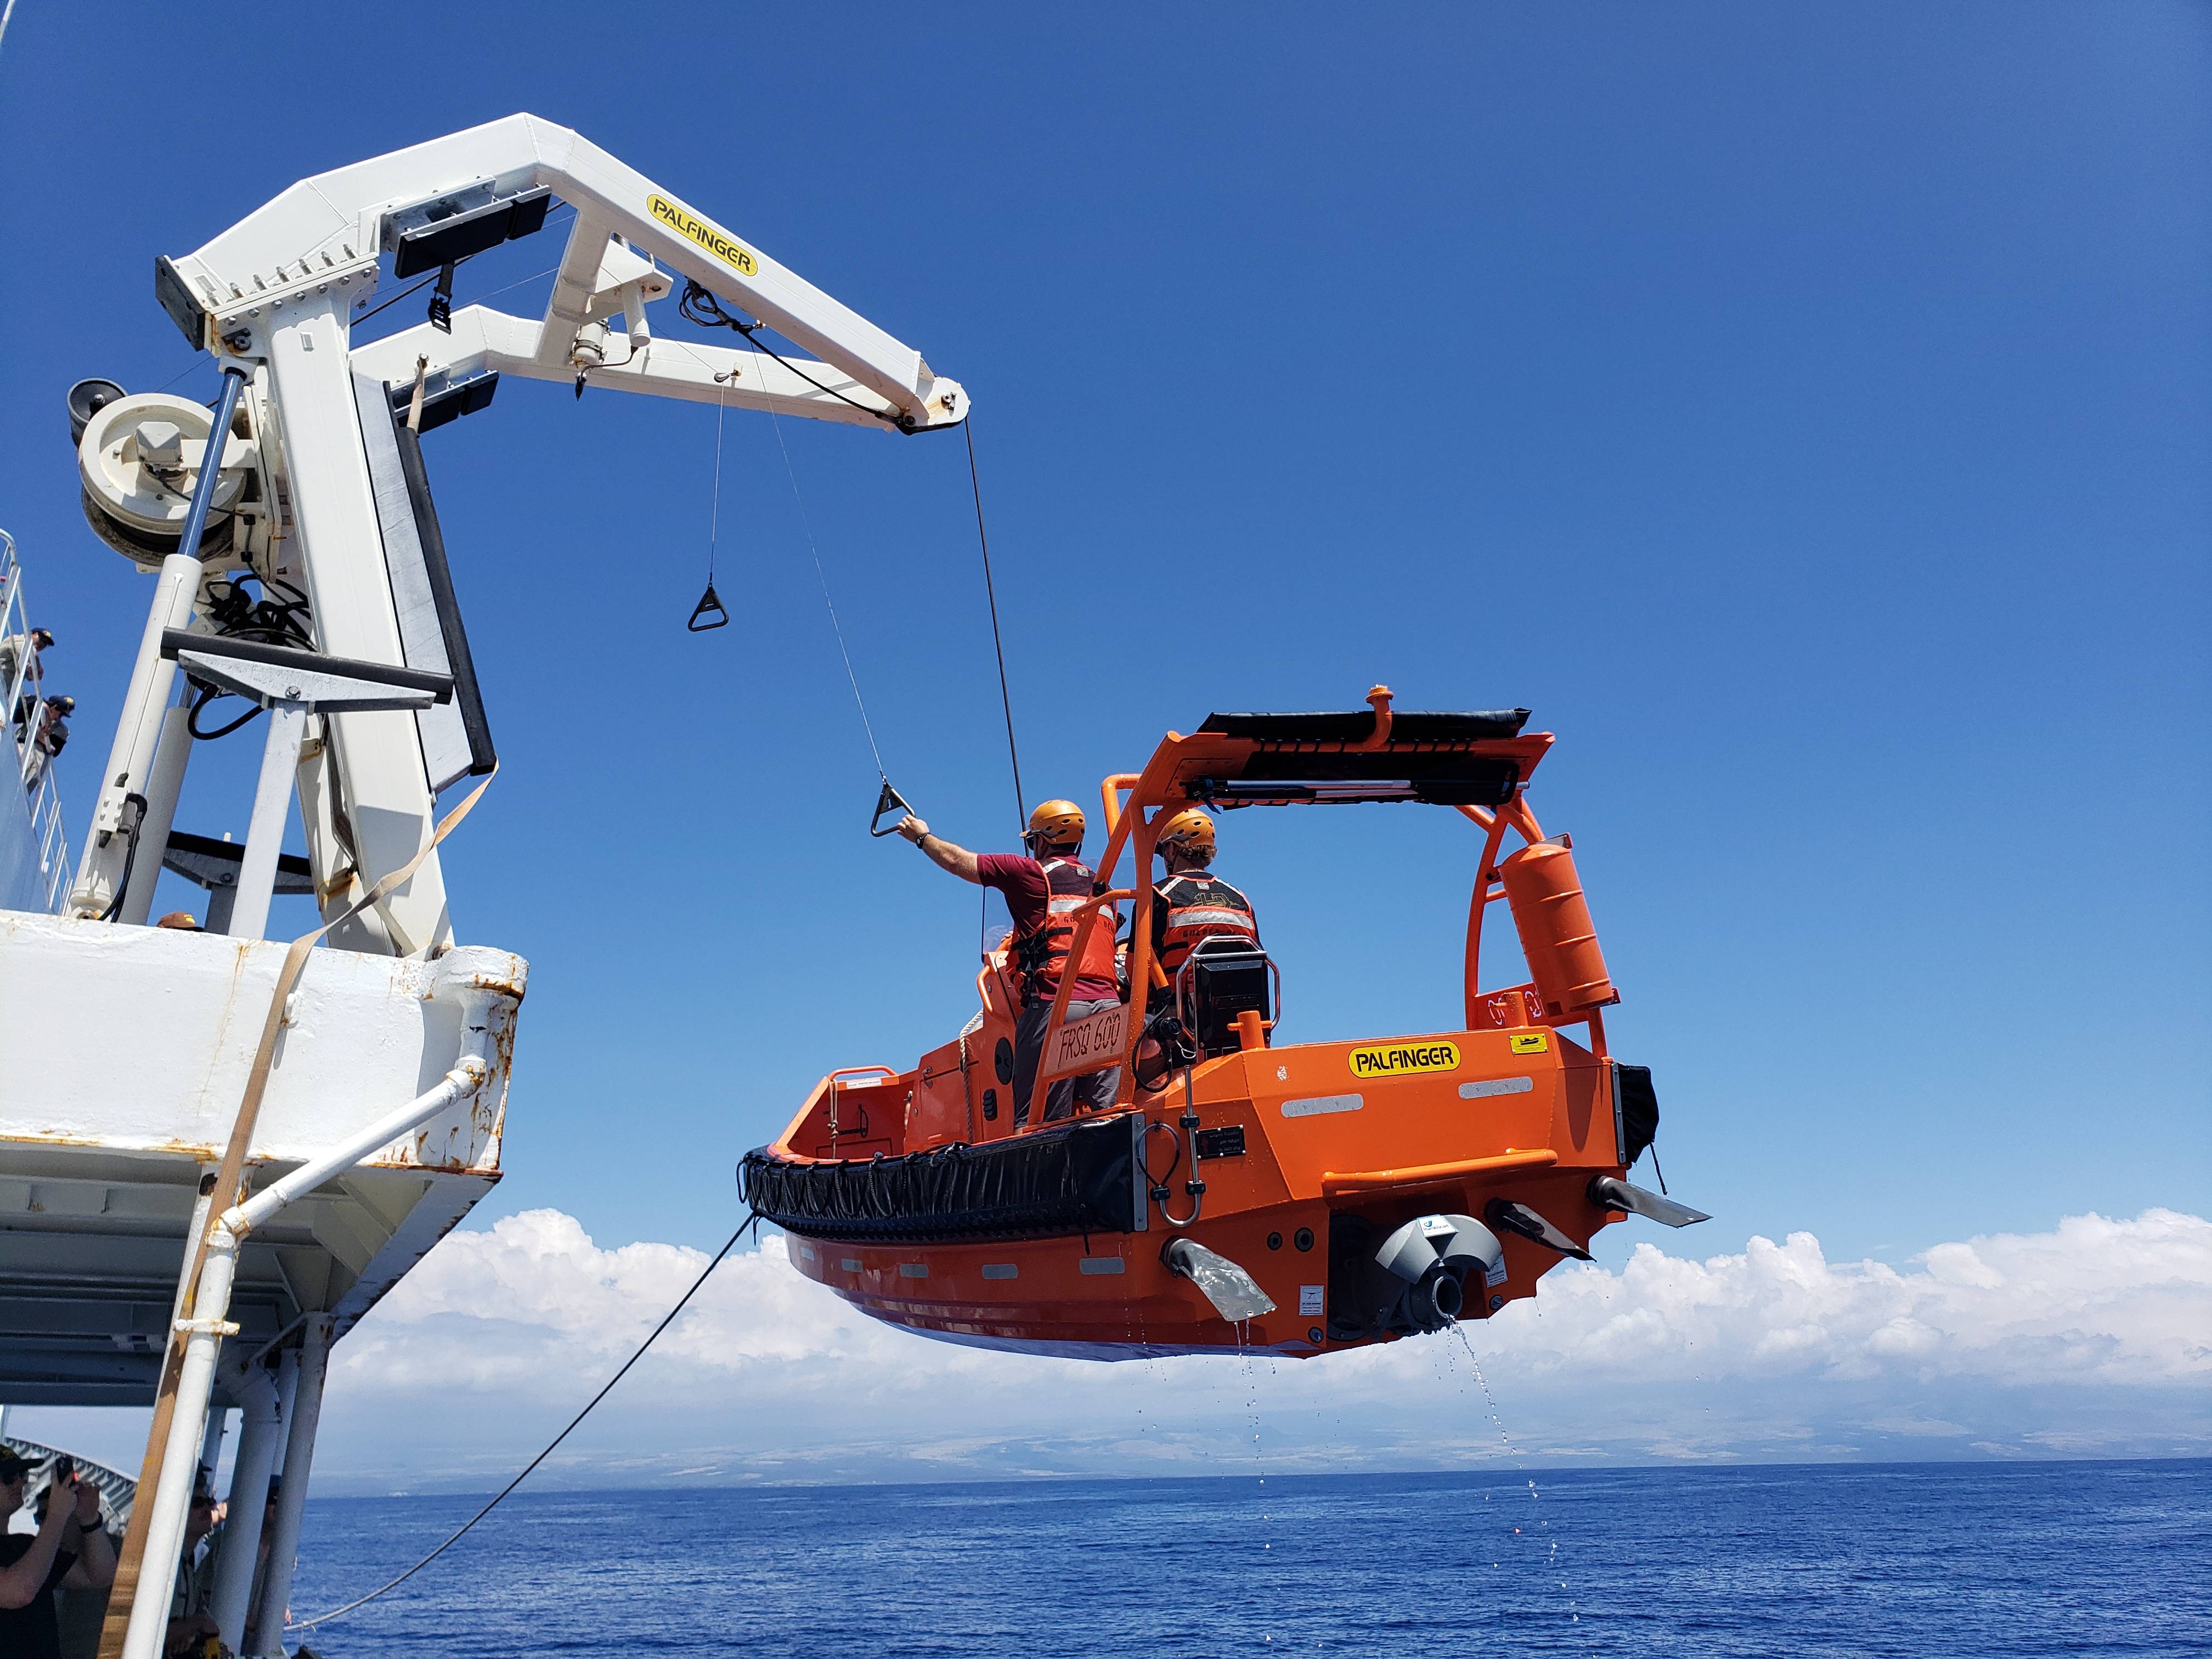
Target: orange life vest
{"x": 1040, "y": 956}
{"x": 1199, "y": 905}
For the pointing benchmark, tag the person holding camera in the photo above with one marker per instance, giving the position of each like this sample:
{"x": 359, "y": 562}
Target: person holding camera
{"x": 70, "y": 1548}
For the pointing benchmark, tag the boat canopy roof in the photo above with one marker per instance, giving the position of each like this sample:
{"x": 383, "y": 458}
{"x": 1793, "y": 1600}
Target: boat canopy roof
{"x": 1356, "y": 725}
{"x": 1473, "y": 758}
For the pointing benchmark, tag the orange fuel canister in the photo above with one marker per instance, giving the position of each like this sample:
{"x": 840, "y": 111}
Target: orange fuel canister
{"x": 1554, "y": 920}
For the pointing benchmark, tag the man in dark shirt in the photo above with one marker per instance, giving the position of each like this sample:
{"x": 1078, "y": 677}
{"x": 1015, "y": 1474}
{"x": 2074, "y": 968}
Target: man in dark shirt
{"x": 1193, "y": 904}
{"x": 68, "y": 1548}
{"x": 50, "y": 735}
{"x": 190, "y": 1619}
{"x": 1040, "y": 890}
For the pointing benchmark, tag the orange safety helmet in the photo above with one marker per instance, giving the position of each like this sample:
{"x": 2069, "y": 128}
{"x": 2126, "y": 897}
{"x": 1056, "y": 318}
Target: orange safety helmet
{"x": 1055, "y": 824}
{"x": 1190, "y": 832}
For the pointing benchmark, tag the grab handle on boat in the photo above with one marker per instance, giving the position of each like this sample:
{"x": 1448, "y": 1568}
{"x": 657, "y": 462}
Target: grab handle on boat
{"x": 1334, "y": 1183}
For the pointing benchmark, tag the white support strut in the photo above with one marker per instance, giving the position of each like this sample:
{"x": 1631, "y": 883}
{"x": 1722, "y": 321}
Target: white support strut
{"x": 686, "y": 370}
{"x": 388, "y": 800}
{"x": 209, "y": 1323}
{"x": 260, "y": 1427}
{"x": 303, "y": 1418}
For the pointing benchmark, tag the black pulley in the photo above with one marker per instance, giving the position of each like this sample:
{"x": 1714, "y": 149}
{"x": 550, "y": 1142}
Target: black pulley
{"x": 708, "y": 614}
{"x": 86, "y": 399}
{"x": 888, "y": 800}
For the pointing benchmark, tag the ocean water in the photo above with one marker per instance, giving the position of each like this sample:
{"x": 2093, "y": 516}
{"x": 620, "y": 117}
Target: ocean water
{"x": 1917, "y": 1560}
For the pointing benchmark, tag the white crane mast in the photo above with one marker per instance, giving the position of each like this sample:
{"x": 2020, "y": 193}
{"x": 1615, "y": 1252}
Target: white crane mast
{"x": 308, "y": 473}
{"x": 271, "y": 298}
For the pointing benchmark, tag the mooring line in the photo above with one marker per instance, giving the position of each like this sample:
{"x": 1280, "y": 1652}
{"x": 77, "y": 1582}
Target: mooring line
{"x": 751, "y": 1221}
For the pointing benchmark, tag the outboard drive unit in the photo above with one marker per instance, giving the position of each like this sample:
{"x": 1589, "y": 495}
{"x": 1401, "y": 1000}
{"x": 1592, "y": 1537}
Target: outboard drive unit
{"x": 1415, "y": 1280}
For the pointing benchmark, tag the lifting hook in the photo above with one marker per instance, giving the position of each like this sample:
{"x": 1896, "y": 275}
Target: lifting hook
{"x": 708, "y": 613}
{"x": 888, "y": 800}
{"x": 441, "y": 300}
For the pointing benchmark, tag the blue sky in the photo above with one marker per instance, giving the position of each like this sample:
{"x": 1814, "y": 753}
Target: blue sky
{"x": 1804, "y": 412}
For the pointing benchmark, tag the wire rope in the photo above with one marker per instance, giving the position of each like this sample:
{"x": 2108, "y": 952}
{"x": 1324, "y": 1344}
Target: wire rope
{"x": 477, "y": 300}
{"x": 700, "y": 306}
{"x": 414, "y": 288}
{"x": 828, "y": 604}
{"x": 714, "y": 508}
{"x": 991, "y": 592}
{"x": 203, "y": 360}
{"x": 751, "y": 1220}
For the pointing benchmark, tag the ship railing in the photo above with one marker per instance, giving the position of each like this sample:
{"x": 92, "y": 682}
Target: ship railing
{"x": 24, "y": 676}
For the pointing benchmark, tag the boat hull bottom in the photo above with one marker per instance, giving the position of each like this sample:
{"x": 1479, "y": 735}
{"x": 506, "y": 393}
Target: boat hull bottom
{"x": 970, "y": 1337}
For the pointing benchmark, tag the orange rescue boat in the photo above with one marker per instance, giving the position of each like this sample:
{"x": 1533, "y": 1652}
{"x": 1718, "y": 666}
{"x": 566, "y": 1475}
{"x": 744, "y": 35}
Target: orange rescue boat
{"x": 1300, "y": 1198}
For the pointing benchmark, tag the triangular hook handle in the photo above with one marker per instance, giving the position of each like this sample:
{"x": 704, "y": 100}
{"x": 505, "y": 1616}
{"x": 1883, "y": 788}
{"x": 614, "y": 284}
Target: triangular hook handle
{"x": 888, "y": 800}
{"x": 708, "y": 612}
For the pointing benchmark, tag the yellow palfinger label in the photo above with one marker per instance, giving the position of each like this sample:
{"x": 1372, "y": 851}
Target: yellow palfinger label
{"x": 1403, "y": 1059}
{"x": 1529, "y": 1043}
{"x": 716, "y": 240}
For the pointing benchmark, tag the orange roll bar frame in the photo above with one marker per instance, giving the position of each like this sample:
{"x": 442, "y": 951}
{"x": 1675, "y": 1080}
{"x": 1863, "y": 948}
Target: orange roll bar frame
{"x": 1166, "y": 783}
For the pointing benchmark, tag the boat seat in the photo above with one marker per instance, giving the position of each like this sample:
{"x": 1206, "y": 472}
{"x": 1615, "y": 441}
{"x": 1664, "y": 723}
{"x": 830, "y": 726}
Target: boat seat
{"x": 1223, "y": 977}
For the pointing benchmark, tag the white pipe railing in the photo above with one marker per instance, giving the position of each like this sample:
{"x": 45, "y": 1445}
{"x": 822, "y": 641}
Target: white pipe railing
{"x": 300, "y": 1431}
{"x": 25, "y": 677}
{"x": 260, "y": 1428}
{"x": 469, "y": 1074}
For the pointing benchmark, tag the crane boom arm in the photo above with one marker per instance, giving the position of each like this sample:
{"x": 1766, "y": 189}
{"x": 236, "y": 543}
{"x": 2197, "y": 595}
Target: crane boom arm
{"x": 690, "y": 371}
{"x": 324, "y": 234}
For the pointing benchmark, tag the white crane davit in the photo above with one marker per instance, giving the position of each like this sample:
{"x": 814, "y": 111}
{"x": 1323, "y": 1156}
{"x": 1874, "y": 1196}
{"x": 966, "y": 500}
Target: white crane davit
{"x": 319, "y": 485}
{"x": 309, "y": 1173}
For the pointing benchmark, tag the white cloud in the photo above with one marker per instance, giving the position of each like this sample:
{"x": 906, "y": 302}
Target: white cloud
{"x": 2093, "y": 1338}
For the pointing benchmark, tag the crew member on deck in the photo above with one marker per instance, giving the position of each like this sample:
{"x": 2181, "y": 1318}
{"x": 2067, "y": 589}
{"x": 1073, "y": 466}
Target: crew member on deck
{"x": 1193, "y": 902}
{"x": 1043, "y": 891}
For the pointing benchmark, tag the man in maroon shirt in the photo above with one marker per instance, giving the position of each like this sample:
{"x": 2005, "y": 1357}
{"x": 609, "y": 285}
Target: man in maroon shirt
{"x": 1041, "y": 890}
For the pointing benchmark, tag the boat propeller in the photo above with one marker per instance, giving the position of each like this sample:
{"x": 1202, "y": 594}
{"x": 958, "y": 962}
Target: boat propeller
{"x": 1233, "y": 1292}
{"x": 1520, "y": 1218}
{"x": 1609, "y": 1192}
{"x": 1431, "y": 1254}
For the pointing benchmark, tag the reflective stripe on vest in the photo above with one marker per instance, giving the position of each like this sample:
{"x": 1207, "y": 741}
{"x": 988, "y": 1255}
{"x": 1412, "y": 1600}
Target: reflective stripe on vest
{"x": 1200, "y": 907}
{"x": 1210, "y": 915}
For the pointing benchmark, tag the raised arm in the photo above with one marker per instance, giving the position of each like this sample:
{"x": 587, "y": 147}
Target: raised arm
{"x": 96, "y": 1554}
{"x": 941, "y": 853}
{"x": 22, "y": 1579}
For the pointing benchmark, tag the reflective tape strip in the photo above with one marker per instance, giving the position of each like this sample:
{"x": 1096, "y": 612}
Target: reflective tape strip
{"x": 914, "y": 1270}
{"x": 1001, "y": 1270}
{"x": 1103, "y": 1264}
{"x": 1496, "y": 1085}
{"x": 1321, "y": 1103}
{"x": 1209, "y": 916}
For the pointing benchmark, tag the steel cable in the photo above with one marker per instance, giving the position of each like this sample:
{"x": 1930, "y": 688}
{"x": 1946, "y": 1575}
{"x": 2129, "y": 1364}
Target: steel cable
{"x": 991, "y": 592}
{"x": 806, "y": 526}
{"x": 749, "y": 1222}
